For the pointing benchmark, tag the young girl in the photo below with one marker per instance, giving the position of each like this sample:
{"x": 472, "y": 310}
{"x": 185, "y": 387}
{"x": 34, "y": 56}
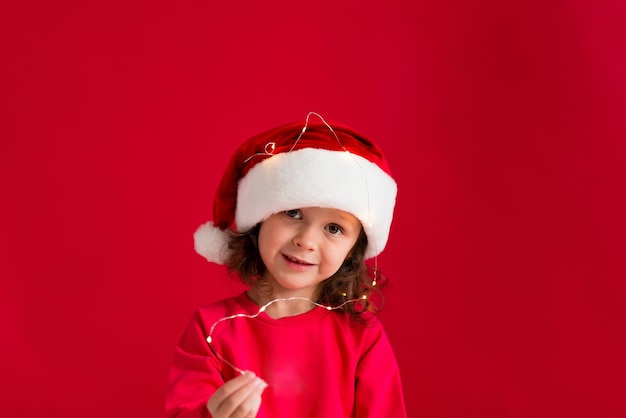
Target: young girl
{"x": 309, "y": 202}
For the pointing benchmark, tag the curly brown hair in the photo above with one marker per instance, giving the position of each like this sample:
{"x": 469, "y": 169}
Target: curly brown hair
{"x": 353, "y": 281}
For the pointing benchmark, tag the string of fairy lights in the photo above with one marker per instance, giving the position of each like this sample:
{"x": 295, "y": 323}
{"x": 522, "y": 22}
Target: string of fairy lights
{"x": 268, "y": 151}
{"x": 262, "y": 309}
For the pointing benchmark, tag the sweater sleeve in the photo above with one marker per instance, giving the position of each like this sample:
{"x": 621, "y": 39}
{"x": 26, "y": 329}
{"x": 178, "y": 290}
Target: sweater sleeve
{"x": 378, "y": 385}
{"x": 194, "y": 374}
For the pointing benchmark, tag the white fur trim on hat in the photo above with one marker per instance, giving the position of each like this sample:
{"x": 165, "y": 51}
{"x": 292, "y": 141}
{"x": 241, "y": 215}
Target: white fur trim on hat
{"x": 212, "y": 242}
{"x": 314, "y": 177}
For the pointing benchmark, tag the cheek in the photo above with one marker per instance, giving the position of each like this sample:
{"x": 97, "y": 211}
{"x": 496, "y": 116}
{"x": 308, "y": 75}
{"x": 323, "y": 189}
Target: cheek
{"x": 339, "y": 255}
{"x": 268, "y": 241}
{"x": 348, "y": 249}
{"x": 263, "y": 243}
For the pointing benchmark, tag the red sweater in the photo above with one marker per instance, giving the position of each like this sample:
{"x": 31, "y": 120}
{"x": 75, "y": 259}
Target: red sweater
{"x": 318, "y": 364}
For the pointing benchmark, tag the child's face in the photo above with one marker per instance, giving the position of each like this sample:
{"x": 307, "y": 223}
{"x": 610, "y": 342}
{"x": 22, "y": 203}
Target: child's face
{"x": 303, "y": 247}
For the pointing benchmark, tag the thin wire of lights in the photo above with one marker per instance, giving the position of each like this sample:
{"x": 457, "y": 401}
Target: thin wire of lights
{"x": 262, "y": 309}
{"x": 269, "y": 151}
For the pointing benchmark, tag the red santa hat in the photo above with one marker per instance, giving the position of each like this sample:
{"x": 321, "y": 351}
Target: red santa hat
{"x": 298, "y": 165}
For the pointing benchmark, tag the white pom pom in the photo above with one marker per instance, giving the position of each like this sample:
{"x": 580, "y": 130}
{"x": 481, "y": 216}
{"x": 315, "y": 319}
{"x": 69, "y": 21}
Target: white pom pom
{"x": 211, "y": 243}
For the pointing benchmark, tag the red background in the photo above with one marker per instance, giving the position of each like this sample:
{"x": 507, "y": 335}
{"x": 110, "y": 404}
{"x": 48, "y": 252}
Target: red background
{"x": 503, "y": 123}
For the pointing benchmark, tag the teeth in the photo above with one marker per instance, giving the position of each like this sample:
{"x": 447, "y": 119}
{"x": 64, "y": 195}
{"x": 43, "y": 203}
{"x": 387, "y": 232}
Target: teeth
{"x": 295, "y": 261}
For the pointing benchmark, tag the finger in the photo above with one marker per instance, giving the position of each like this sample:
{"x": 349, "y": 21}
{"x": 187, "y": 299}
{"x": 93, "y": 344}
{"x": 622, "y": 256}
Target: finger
{"x": 243, "y": 400}
{"x": 232, "y": 398}
{"x": 228, "y": 388}
{"x": 249, "y": 406}
{"x": 231, "y": 386}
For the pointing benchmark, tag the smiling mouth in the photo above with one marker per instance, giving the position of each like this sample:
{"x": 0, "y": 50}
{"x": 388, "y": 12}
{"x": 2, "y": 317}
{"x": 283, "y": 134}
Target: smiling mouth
{"x": 296, "y": 261}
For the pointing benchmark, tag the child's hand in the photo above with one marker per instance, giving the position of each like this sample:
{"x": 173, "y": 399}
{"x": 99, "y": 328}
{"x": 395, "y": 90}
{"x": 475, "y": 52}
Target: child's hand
{"x": 237, "y": 398}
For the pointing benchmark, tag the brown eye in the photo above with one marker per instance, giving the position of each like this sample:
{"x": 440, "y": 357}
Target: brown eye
{"x": 293, "y": 213}
{"x": 334, "y": 229}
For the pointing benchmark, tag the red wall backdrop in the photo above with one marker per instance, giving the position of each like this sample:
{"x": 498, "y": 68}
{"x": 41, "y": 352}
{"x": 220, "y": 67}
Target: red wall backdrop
{"x": 503, "y": 123}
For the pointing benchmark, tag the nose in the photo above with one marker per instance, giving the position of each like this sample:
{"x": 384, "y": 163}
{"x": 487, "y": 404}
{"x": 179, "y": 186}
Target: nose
{"x": 306, "y": 238}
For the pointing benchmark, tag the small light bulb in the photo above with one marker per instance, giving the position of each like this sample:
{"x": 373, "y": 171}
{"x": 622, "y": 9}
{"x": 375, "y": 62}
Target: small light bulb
{"x": 209, "y": 339}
